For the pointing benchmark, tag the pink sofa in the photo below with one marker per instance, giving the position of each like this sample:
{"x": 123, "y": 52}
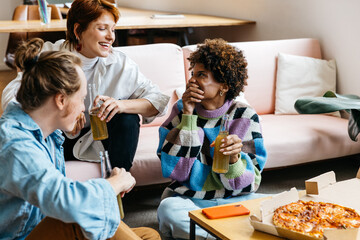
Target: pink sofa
{"x": 289, "y": 139}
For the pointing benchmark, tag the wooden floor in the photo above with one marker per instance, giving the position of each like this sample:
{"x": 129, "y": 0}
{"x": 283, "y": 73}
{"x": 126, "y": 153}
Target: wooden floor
{"x": 5, "y": 78}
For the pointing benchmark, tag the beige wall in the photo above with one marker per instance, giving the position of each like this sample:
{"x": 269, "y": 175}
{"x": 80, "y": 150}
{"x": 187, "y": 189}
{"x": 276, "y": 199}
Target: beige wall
{"x": 333, "y": 22}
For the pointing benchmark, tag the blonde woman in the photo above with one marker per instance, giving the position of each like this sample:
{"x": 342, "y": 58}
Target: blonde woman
{"x": 37, "y": 201}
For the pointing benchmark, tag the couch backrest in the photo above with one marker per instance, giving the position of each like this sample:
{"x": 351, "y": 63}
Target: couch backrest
{"x": 262, "y": 61}
{"x": 163, "y": 64}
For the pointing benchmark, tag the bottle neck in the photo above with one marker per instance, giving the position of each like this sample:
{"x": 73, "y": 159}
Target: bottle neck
{"x": 92, "y": 94}
{"x": 224, "y": 127}
{"x": 105, "y": 164}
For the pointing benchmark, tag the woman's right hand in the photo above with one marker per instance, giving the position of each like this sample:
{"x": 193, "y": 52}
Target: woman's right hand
{"x": 121, "y": 180}
{"x": 193, "y": 94}
{"x": 80, "y": 123}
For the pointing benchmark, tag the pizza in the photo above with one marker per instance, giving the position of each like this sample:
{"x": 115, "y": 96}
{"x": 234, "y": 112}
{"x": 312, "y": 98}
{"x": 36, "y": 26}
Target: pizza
{"x": 311, "y": 218}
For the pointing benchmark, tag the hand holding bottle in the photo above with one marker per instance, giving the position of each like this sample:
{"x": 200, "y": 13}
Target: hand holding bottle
{"x": 109, "y": 107}
{"x": 230, "y": 145}
{"x": 98, "y": 127}
{"x": 121, "y": 181}
{"x": 227, "y": 147}
{"x": 80, "y": 123}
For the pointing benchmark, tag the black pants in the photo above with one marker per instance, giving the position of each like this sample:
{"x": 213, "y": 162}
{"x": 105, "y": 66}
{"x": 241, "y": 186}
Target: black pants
{"x": 123, "y": 138}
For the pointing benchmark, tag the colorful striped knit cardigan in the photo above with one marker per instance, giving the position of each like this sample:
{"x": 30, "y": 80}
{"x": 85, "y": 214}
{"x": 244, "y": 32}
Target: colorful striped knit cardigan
{"x": 186, "y": 155}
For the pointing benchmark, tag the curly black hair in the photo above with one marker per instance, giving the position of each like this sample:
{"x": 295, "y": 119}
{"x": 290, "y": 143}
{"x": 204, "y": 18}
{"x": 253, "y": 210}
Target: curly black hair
{"x": 227, "y": 64}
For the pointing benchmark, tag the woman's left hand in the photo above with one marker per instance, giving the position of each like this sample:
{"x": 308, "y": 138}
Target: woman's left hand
{"x": 80, "y": 123}
{"x": 109, "y": 107}
{"x": 231, "y": 145}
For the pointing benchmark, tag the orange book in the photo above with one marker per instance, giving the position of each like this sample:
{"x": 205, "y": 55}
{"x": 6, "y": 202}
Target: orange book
{"x": 225, "y": 211}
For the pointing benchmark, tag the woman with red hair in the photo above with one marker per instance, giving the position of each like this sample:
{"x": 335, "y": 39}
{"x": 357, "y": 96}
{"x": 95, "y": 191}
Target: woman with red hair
{"x": 124, "y": 91}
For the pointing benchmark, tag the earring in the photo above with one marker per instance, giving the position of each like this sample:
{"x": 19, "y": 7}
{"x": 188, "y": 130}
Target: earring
{"x": 78, "y": 45}
{"x": 221, "y": 93}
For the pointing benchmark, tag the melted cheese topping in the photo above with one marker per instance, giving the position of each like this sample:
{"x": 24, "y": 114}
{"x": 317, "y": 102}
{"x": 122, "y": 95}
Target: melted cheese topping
{"x": 311, "y": 218}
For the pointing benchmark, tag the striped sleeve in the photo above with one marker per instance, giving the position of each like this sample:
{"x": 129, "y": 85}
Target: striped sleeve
{"x": 180, "y": 144}
{"x": 246, "y": 173}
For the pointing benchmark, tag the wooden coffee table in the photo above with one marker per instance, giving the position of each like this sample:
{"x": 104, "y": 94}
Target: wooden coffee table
{"x": 234, "y": 228}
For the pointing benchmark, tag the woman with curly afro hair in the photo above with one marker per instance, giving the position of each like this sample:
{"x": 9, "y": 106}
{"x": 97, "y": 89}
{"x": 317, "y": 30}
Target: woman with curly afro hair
{"x": 186, "y": 147}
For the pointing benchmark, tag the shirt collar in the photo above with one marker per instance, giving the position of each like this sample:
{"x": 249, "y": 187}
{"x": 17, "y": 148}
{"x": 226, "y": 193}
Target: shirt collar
{"x": 100, "y": 62}
{"x": 213, "y": 113}
{"x": 87, "y": 63}
{"x": 15, "y": 112}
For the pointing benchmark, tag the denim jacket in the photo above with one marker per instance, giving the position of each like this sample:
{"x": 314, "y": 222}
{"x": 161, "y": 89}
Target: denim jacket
{"x": 33, "y": 183}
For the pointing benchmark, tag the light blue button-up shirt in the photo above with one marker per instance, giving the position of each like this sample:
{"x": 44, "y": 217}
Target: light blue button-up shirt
{"x": 33, "y": 183}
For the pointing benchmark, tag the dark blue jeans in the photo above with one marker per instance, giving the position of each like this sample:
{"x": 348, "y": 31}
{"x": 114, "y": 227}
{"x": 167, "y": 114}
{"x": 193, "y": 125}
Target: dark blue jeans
{"x": 123, "y": 138}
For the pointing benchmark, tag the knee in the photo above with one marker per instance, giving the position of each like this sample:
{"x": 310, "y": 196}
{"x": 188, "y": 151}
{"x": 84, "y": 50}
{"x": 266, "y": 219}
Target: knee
{"x": 165, "y": 208}
{"x": 166, "y": 217}
{"x": 146, "y": 233}
{"x": 173, "y": 217}
{"x": 125, "y": 121}
{"x": 168, "y": 210}
{"x": 173, "y": 208}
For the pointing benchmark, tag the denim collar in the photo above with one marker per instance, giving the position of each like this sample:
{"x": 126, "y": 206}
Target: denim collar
{"x": 15, "y": 112}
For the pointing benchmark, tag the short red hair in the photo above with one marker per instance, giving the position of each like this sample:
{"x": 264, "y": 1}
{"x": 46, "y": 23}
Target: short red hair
{"x": 84, "y": 12}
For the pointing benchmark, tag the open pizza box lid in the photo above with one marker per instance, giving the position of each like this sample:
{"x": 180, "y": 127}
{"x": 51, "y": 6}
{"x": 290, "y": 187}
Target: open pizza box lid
{"x": 322, "y": 188}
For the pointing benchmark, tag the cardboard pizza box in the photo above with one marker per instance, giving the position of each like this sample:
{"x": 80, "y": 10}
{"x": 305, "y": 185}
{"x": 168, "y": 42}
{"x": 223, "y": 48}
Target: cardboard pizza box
{"x": 322, "y": 188}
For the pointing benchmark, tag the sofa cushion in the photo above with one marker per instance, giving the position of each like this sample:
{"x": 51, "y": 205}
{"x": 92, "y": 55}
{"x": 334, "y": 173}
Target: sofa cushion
{"x": 289, "y": 139}
{"x": 261, "y": 57}
{"x": 81, "y": 170}
{"x": 146, "y": 167}
{"x": 163, "y": 64}
{"x": 299, "y": 76}
{"x": 295, "y": 139}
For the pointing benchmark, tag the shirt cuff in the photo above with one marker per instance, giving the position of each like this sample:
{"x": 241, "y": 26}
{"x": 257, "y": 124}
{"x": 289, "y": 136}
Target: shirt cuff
{"x": 111, "y": 214}
{"x": 188, "y": 122}
{"x": 236, "y": 169}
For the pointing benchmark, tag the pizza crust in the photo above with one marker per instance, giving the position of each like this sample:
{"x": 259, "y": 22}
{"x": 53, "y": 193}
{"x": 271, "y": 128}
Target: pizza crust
{"x": 311, "y": 218}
